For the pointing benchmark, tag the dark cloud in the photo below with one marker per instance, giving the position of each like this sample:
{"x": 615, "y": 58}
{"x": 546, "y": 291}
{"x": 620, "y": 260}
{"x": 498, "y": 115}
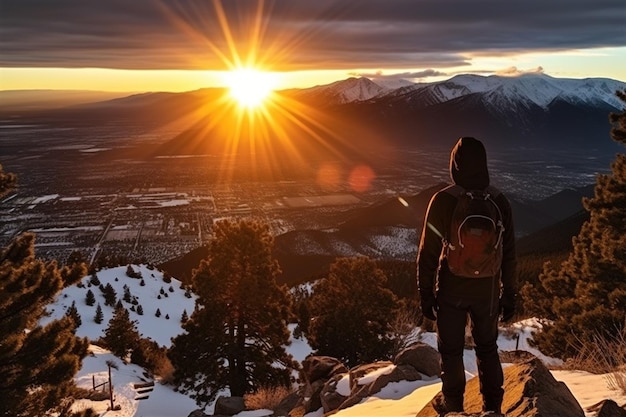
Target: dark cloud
{"x": 296, "y": 34}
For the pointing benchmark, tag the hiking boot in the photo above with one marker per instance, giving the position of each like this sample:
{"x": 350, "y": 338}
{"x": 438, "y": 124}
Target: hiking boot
{"x": 443, "y": 406}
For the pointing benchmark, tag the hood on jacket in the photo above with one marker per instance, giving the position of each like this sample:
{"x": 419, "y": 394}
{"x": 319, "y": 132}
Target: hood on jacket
{"x": 468, "y": 164}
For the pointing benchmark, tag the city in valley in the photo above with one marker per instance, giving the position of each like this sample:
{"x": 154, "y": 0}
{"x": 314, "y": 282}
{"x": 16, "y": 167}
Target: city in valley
{"x": 101, "y": 191}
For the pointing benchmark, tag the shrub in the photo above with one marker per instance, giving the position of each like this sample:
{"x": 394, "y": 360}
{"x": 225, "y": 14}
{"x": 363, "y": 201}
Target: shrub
{"x": 603, "y": 355}
{"x": 266, "y": 398}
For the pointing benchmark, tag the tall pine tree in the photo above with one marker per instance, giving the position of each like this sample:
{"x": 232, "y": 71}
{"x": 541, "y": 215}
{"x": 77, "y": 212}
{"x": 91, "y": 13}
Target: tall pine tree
{"x": 37, "y": 363}
{"x": 352, "y": 311}
{"x": 239, "y": 326}
{"x": 121, "y": 335}
{"x": 589, "y": 288}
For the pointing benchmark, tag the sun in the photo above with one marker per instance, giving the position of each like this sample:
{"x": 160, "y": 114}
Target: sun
{"x": 250, "y": 87}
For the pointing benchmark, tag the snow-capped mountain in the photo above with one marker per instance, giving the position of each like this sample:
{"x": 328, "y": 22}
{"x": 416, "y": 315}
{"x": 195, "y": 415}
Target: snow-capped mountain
{"x": 344, "y": 91}
{"x": 538, "y": 89}
{"x": 532, "y": 109}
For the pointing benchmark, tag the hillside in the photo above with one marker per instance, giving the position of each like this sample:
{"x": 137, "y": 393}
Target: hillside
{"x": 171, "y": 301}
{"x": 389, "y": 230}
{"x": 138, "y": 394}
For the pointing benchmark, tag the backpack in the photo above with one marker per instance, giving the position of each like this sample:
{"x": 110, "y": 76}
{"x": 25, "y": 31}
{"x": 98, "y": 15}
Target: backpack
{"x": 474, "y": 244}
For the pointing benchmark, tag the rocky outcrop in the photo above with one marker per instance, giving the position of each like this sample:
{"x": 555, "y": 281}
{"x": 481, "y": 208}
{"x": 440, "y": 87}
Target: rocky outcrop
{"x": 530, "y": 390}
{"x": 331, "y": 386}
{"x": 608, "y": 408}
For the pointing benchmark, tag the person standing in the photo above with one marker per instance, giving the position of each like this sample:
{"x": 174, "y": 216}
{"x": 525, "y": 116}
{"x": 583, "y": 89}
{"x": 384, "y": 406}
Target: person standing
{"x": 448, "y": 298}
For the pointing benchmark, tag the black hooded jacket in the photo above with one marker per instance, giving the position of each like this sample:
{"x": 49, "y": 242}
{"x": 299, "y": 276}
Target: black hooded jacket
{"x": 468, "y": 168}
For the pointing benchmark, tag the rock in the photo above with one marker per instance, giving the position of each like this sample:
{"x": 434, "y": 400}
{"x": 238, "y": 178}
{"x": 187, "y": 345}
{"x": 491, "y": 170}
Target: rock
{"x": 197, "y": 413}
{"x": 422, "y": 357}
{"x": 287, "y": 404}
{"x": 312, "y": 401}
{"x": 330, "y": 398}
{"x": 229, "y": 406}
{"x": 358, "y": 372}
{"x": 321, "y": 367}
{"x": 530, "y": 390}
{"x": 607, "y": 408}
{"x": 399, "y": 373}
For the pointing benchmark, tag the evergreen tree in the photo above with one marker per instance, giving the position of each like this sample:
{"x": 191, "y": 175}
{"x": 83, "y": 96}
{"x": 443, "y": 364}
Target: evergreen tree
{"x": 110, "y": 296}
{"x": 99, "y": 316}
{"x": 140, "y": 310}
{"x": 36, "y": 366}
{"x": 352, "y": 311}
{"x": 589, "y": 288}
{"x": 121, "y": 335}
{"x": 94, "y": 280}
{"x": 8, "y": 181}
{"x": 158, "y": 312}
{"x": 184, "y": 317}
{"x": 127, "y": 295}
{"x": 239, "y": 326}
{"x": 72, "y": 312}
{"x": 90, "y": 298}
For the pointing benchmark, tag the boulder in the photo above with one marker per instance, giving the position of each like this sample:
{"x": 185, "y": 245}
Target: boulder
{"x": 607, "y": 408}
{"x": 229, "y": 406}
{"x": 399, "y": 373}
{"x": 360, "y": 371}
{"x": 287, "y": 404}
{"x": 321, "y": 367}
{"x": 422, "y": 357}
{"x": 330, "y": 398}
{"x": 197, "y": 413}
{"x": 530, "y": 390}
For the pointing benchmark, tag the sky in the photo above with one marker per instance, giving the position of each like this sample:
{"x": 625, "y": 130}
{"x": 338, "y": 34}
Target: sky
{"x": 398, "y": 399}
{"x": 181, "y": 45}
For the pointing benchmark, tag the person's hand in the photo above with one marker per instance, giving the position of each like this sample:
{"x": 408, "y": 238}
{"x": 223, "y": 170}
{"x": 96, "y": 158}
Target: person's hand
{"x": 429, "y": 307}
{"x": 507, "y": 307}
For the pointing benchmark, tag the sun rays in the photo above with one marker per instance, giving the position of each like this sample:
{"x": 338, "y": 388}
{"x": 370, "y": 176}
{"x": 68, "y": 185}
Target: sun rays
{"x": 254, "y": 128}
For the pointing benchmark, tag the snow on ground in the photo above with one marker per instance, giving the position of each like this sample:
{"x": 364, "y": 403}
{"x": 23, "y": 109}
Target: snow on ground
{"x": 401, "y": 399}
{"x": 161, "y": 401}
{"x": 160, "y": 329}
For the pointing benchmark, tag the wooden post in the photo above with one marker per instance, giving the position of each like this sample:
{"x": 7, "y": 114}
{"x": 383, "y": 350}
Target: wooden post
{"x": 93, "y": 381}
{"x": 110, "y": 388}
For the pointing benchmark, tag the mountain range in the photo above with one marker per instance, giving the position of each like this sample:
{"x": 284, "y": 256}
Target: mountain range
{"x": 523, "y": 111}
{"x": 533, "y": 109}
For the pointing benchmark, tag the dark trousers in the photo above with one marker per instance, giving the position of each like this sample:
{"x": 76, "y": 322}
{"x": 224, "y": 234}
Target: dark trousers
{"x": 451, "y": 321}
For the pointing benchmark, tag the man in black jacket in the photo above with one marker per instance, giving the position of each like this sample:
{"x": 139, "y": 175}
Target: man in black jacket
{"x": 449, "y": 299}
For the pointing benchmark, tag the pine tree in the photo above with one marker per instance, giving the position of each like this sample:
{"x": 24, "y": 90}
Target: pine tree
{"x": 184, "y": 317}
{"x": 8, "y": 181}
{"x": 110, "y": 296}
{"x": 589, "y": 288}
{"x": 140, "y": 310}
{"x": 72, "y": 312}
{"x": 36, "y": 366}
{"x": 352, "y": 311}
{"x": 239, "y": 326}
{"x": 99, "y": 316}
{"x": 158, "y": 312}
{"x": 94, "y": 280}
{"x": 90, "y": 298}
{"x": 121, "y": 334}
{"x": 127, "y": 295}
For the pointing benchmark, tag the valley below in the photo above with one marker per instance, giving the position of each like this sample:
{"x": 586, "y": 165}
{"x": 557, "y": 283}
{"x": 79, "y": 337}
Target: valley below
{"x": 106, "y": 191}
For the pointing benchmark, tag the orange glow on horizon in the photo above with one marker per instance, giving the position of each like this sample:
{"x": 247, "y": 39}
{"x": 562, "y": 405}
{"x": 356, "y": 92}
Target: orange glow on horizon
{"x": 258, "y": 132}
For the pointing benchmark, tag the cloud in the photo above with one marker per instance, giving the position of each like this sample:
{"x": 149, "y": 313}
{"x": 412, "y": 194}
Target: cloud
{"x": 412, "y": 75}
{"x": 514, "y": 71}
{"x": 296, "y": 34}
